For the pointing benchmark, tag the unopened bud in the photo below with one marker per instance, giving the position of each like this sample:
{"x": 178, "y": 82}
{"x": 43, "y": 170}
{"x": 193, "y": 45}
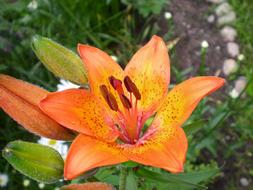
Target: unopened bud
{"x": 61, "y": 61}
{"x": 39, "y": 162}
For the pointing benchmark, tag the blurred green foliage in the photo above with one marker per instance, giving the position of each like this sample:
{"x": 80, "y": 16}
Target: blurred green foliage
{"x": 118, "y": 27}
{"x": 146, "y": 7}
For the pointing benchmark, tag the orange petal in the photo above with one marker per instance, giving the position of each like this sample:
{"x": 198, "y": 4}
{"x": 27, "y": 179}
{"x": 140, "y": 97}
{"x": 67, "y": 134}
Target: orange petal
{"x": 183, "y": 99}
{"x": 150, "y": 70}
{"x": 20, "y": 100}
{"x": 80, "y": 110}
{"x": 100, "y": 66}
{"x": 87, "y": 153}
{"x": 89, "y": 186}
{"x": 161, "y": 148}
{"x": 165, "y": 139}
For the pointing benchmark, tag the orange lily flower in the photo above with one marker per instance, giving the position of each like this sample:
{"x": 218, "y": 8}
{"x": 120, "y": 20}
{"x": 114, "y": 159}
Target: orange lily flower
{"x": 111, "y": 115}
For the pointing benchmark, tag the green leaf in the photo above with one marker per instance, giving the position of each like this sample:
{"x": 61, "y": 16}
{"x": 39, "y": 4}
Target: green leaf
{"x": 130, "y": 164}
{"x": 192, "y": 128}
{"x": 107, "y": 175}
{"x": 131, "y": 182}
{"x": 180, "y": 181}
{"x": 197, "y": 176}
{"x": 61, "y": 61}
{"x": 36, "y": 161}
{"x": 250, "y": 89}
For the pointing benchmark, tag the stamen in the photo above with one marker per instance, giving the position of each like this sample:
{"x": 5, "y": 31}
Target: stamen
{"x": 116, "y": 83}
{"x": 131, "y": 87}
{"x": 104, "y": 91}
{"x": 125, "y": 101}
{"x": 111, "y": 101}
{"x": 109, "y": 98}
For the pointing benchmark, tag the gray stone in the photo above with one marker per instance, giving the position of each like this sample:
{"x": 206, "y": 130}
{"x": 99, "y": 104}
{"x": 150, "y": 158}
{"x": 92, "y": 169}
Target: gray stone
{"x": 228, "y": 33}
{"x": 229, "y": 66}
{"x": 240, "y": 84}
{"x": 226, "y": 19}
{"x": 210, "y": 19}
{"x": 215, "y": 1}
{"x": 233, "y": 49}
{"x": 223, "y": 9}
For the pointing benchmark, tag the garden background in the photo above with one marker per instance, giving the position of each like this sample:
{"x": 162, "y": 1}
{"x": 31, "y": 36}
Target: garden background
{"x": 204, "y": 37}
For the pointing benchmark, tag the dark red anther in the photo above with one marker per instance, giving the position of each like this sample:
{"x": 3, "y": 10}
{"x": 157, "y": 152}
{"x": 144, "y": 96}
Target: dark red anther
{"x": 109, "y": 98}
{"x": 125, "y": 101}
{"x": 132, "y": 88}
{"x": 104, "y": 91}
{"x": 127, "y": 83}
{"x": 111, "y": 101}
{"x": 116, "y": 83}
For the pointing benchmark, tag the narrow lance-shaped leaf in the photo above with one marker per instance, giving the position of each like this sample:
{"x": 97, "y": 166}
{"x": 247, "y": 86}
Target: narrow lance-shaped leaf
{"x": 36, "y": 161}
{"x": 89, "y": 186}
{"x": 182, "y": 181}
{"x": 194, "y": 127}
{"x": 61, "y": 61}
{"x": 131, "y": 182}
{"x": 20, "y": 100}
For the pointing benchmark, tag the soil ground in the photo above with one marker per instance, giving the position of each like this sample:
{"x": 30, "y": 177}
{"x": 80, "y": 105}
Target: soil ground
{"x": 192, "y": 27}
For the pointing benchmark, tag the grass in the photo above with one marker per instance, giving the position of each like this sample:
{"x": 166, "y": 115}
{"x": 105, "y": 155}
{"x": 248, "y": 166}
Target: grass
{"x": 119, "y": 28}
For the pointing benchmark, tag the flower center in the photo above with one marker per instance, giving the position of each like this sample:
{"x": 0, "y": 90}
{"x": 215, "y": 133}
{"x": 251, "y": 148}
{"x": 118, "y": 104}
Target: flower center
{"x": 128, "y": 120}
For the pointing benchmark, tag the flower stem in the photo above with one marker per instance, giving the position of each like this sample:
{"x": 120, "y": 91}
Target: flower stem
{"x": 202, "y": 66}
{"x": 122, "y": 178}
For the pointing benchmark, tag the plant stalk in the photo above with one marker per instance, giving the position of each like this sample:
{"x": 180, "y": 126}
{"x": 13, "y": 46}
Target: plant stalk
{"x": 122, "y": 178}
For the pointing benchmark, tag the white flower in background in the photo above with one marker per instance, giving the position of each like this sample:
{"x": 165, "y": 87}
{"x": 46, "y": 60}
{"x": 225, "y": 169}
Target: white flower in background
{"x": 3, "y": 179}
{"x": 41, "y": 185}
{"x": 59, "y": 146}
{"x": 115, "y": 58}
{"x": 57, "y": 188}
{"x": 244, "y": 182}
{"x": 26, "y": 182}
{"x": 234, "y": 94}
{"x": 240, "y": 84}
{"x": 64, "y": 85}
{"x": 240, "y": 57}
{"x": 33, "y": 5}
{"x": 205, "y": 44}
{"x": 167, "y": 15}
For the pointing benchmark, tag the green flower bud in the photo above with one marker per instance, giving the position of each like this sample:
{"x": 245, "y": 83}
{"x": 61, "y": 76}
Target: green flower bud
{"x": 39, "y": 162}
{"x": 61, "y": 61}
